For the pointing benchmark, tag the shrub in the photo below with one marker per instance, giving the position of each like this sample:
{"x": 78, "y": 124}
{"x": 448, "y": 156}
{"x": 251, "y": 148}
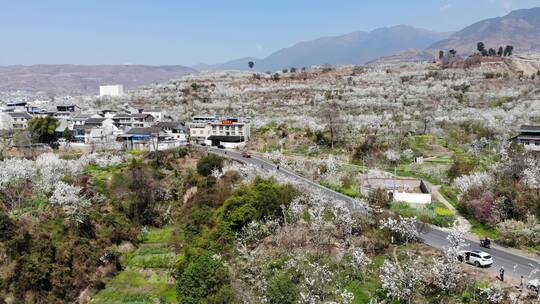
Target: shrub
{"x": 461, "y": 166}
{"x": 209, "y": 163}
{"x": 7, "y": 227}
{"x": 281, "y": 290}
{"x": 379, "y": 198}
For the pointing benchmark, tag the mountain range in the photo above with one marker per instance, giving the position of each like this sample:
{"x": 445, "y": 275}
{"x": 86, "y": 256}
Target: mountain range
{"x": 353, "y": 48}
{"x": 520, "y": 28}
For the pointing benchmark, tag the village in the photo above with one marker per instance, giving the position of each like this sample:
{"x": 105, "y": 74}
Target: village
{"x": 132, "y": 128}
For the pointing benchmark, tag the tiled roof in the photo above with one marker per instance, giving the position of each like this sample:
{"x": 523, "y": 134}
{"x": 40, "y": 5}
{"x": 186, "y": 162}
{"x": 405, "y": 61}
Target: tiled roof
{"x": 20, "y": 115}
{"x": 143, "y": 131}
{"x": 168, "y": 124}
{"x": 95, "y": 120}
{"x": 525, "y": 128}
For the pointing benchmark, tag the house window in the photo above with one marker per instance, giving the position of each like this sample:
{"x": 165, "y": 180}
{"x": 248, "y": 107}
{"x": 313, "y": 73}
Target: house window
{"x": 537, "y": 143}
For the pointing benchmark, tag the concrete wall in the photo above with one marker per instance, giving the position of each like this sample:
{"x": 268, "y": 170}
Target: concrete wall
{"x": 531, "y": 146}
{"x": 414, "y": 199}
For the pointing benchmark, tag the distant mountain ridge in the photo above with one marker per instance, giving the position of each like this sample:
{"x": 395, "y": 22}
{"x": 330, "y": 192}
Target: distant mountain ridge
{"x": 520, "y": 28}
{"x": 353, "y": 48}
{"x": 84, "y": 79}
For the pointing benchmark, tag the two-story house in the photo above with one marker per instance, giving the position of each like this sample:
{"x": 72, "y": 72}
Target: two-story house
{"x": 172, "y": 130}
{"x": 20, "y": 120}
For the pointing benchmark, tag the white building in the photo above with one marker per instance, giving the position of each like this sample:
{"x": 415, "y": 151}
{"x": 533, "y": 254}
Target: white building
{"x": 229, "y": 132}
{"x": 111, "y": 90}
{"x": 412, "y": 191}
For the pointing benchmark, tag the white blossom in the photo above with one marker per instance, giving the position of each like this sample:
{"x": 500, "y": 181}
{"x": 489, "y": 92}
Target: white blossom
{"x": 401, "y": 281}
{"x": 493, "y": 293}
{"x": 405, "y": 227}
{"x": 69, "y": 198}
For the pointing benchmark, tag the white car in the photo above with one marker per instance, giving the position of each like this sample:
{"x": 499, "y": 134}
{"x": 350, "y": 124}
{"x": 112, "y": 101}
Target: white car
{"x": 534, "y": 285}
{"x": 475, "y": 257}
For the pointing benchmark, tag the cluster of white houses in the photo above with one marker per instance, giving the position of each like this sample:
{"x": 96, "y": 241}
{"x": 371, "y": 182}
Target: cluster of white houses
{"x": 134, "y": 128}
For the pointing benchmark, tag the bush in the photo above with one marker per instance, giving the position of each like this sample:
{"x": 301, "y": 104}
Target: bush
{"x": 281, "y": 290}
{"x": 209, "y": 163}
{"x": 262, "y": 199}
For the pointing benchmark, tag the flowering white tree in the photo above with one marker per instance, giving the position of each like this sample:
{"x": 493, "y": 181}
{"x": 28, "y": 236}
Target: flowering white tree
{"x": 69, "y": 198}
{"x": 331, "y": 165}
{"x": 494, "y": 293}
{"x": 401, "y": 281}
{"x": 359, "y": 261}
{"x": 531, "y": 173}
{"x": 445, "y": 273}
{"x": 343, "y": 219}
{"x": 466, "y": 182}
{"x": 15, "y": 177}
{"x": 404, "y": 227}
{"x": 392, "y": 155}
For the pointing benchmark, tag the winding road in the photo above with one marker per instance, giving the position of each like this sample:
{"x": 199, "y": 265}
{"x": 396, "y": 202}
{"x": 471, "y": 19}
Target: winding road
{"x": 515, "y": 262}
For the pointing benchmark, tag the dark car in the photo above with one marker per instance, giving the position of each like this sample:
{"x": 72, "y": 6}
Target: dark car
{"x": 221, "y": 147}
{"x": 246, "y": 154}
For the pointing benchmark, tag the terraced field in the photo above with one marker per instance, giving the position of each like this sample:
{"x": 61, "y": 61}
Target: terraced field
{"x": 146, "y": 277}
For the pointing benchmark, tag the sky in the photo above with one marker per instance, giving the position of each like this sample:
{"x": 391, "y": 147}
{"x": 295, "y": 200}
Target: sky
{"x": 178, "y": 32}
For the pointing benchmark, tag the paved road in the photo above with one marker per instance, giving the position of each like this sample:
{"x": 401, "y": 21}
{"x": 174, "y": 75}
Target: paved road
{"x": 507, "y": 258}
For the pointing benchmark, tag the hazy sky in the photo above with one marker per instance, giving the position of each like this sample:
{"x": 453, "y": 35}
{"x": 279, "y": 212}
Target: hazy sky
{"x": 189, "y": 32}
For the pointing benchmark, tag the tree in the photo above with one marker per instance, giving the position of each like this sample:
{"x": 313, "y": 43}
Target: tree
{"x": 359, "y": 262}
{"x": 281, "y": 290}
{"x": 331, "y": 115}
{"x": 441, "y": 54}
{"x": 461, "y": 166}
{"x": 492, "y": 52}
{"x": 508, "y": 50}
{"x": 293, "y": 70}
{"x": 144, "y": 189}
{"x": 68, "y": 135}
{"x": 453, "y": 52}
{"x": 251, "y": 64}
{"x": 500, "y": 52}
{"x": 200, "y": 276}
{"x": 481, "y": 47}
{"x": 207, "y": 164}
{"x": 405, "y": 228}
{"x": 401, "y": 281}
{"x": 69, "y": 198}
{"x": 43, "y": 129}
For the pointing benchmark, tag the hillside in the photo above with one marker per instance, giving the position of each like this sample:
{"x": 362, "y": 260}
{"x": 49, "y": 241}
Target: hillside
{"x": 520, "y": 28}
{"x": 410, "y": 55}
{"x": 84, "y": 79}
{"x": 353, "y": 48}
